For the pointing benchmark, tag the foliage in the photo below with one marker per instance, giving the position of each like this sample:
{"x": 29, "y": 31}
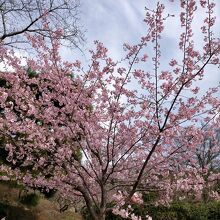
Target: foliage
{"x": 12, "y": 184}
{"x": 178, "y": 211}
{"x": 187, "y": 211}
{"x": 3, "y": 208}
{"x": 19, "y": 213}
{"x": 30, "y": 199}
{"x": 96, "y": 137}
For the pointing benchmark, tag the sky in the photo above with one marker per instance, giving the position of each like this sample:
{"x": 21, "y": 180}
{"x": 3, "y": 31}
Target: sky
{"x": 115, "y": 22}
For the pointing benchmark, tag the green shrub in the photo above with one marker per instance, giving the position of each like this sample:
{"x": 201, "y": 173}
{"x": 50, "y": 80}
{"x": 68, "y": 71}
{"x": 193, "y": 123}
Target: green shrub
{"x": 177, "y": 211}
{"x": 3, "y": 210}
{"x": 214, "y": 210}
{"x": 186, "y": 211}
{"x": 31, "y": 199}
{"x": 19, "y": 213}
{"x": 11, "y": 184}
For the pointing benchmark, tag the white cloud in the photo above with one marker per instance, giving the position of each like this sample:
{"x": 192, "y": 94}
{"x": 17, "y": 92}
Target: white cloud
{"x": 115, "y": 22}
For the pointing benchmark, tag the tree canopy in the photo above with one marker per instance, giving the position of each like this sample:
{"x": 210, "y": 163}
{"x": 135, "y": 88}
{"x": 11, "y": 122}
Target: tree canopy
{"x": 109, "y": 133}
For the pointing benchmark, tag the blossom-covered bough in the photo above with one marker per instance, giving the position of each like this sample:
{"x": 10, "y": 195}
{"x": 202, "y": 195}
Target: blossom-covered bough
{"x": 116, "y": 130}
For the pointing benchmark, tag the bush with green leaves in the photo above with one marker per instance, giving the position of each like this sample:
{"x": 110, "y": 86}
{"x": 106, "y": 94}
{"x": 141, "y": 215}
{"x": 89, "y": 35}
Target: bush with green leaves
{"x": 30, "y": 199}
{"x": 176, "y": 211}
{"x": 3, "y": 210}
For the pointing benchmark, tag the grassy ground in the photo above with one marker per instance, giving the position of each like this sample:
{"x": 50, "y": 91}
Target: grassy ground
{"x": 45, "y": 210}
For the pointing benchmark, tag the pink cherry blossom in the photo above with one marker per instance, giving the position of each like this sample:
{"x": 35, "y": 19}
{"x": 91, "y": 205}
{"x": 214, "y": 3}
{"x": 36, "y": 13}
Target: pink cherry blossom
{"x": 104, "y": 133}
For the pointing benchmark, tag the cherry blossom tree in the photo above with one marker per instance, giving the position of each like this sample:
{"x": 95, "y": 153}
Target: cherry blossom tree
{"x": 110, "y": 132}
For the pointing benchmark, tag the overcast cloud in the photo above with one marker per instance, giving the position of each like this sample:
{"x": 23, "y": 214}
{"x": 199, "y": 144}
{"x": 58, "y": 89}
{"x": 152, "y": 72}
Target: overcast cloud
{"x": 115, "y": 22}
